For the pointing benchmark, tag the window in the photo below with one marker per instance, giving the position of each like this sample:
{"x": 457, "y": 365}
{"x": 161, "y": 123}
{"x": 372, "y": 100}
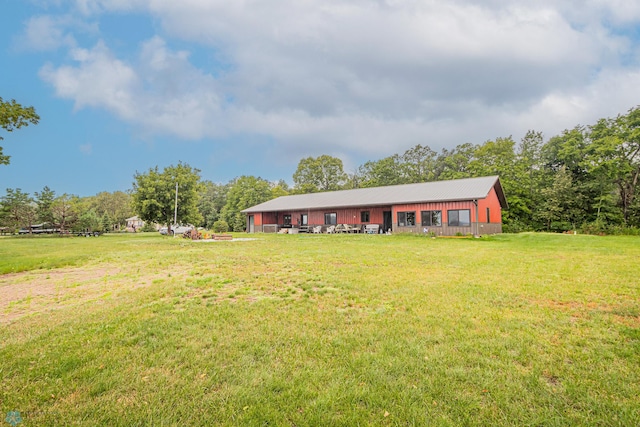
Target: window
{"x": 364, "y": 216}
{"x": 304, "y": 219}
{"x": 286, "y": 219}
{"x": 406, "y": 219}
{"x": 459, "y": 218}
{"x": 432, "y": 218}
{"x": 488, "y": 216}
{"x": 330, "y": 218}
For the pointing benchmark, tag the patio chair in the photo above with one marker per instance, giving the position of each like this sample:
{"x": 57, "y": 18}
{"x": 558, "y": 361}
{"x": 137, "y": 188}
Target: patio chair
{"x": 331, "y": 229}
{"x": 317, "y": 229}
{"x": 349, "y": 229}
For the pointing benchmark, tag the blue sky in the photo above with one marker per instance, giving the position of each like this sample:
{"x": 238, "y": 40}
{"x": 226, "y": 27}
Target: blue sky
{"x": 251, "y": 87}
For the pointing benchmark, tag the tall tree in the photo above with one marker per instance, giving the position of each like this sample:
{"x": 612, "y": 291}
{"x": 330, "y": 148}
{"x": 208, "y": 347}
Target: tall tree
{"x": 419, "y": 164}
{"x": 18, "y": 209}
{"x": 323, "y": 173}
{"x": 212, "y": 200}
{"x": 89, "y": 221}
{"x": 116, "y": 206}
{"x": 154, "y": 195}
{"x": 65, "y": 212}
{"x": 14, "y": 116}
{"x": 526, "y": 183}
{"x": 280, "y": 188}
{"x": 383, "y": 172}
{"x": 44, "y": 200}
{"x": 560, "y": 206}
{"x": 454, "y": 164}
{"x": 614, "y": 156}
{"x": 244, "y": 192}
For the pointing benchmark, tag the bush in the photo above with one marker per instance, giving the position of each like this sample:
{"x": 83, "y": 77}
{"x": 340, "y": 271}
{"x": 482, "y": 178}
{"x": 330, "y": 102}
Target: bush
{"x": 220, "y": 226}
{"x": 601, "y": 228}
{"x": 561, "y": 226}
{"x": 515, "y": 226}
{"x": 148, "y": 227}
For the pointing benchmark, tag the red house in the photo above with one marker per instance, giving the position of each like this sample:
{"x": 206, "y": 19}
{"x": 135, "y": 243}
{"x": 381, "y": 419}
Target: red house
{"x": 467, "y": 206}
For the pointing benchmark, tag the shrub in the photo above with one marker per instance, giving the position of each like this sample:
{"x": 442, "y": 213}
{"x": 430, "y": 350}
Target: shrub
{"x": 148, "y": 227}
{"x": 601, "y": 228}
{"x": 220, "y": 226}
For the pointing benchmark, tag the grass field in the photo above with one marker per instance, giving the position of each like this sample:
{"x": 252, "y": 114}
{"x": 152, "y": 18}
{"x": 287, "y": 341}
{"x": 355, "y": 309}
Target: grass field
{"x": 321, "y": 330}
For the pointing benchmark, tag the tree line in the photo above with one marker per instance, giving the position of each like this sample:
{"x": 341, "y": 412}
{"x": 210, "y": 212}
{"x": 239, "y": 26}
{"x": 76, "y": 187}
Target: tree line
{"x": 586, "y": 178}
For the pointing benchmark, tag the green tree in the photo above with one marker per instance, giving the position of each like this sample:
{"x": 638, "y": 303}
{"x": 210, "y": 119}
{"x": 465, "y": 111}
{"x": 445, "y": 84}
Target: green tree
{"x": 279, "y": 189}
{"x": 18, "y": 209}
{"x": 419, "y": 164}
{"x": 244, "y": 192}
{"x": 454, "y": 164}
{"x": 14, "y": 116}
{"x": 526, "y": 181}
{"x": 154, "y": 194}
{"x": 614, "y": 156}
{"x": 65, "y": 212}
{"x": 44, "y": 200}
{"x": 568, "y": 151}
{"x": 212, "y": 200}
{"x": 88, "y": 220}
{"x": 323, "y": 173}
{"x": 560, "y": 206}
{"x": 383, "y": 172}
{"x": 116, "y": 206}
{"x": 106, "y": 223}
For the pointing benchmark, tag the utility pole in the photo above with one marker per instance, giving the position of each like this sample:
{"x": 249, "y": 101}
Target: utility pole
{"x": 175, "y": 211}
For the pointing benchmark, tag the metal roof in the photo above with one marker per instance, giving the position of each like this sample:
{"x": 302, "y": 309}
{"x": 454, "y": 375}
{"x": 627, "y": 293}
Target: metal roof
{"x": 436, "y": 191}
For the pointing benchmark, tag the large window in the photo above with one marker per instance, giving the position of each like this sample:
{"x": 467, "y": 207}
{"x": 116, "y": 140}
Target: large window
{"x": 330, "y": 218}
{"x": 364, "y": 216}
{"x": 406, "y": 219}
{"x": 459, "y": 218}
{"x": 431, "y": 218}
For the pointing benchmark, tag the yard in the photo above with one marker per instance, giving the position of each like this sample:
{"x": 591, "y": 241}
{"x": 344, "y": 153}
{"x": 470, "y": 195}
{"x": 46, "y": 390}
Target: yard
{"x": 326, "y": 330}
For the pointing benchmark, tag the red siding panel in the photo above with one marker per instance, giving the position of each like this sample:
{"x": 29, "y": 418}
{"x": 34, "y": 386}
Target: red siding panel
{"x": 444, "y": 207}
{"x": 493, "y": 203}
{"x": 316, "y": 217}
{"x": 352, "y": 216}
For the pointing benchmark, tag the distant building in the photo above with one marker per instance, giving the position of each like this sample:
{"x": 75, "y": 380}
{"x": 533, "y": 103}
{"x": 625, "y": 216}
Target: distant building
{"x": 134, "y": 223}
{"x": 466, "y": 206}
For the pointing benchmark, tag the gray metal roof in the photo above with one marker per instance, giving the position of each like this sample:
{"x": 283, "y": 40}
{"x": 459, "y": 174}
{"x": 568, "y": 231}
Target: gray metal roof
{"x": 436, "y": 191}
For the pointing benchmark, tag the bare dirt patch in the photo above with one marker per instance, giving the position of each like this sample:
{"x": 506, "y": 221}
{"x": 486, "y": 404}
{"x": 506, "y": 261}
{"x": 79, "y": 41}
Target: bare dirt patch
{"x": 34, "y": 292}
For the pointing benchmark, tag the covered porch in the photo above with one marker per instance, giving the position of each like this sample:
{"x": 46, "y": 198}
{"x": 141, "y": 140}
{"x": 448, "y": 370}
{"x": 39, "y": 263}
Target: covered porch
{"x": 352, "y": 220}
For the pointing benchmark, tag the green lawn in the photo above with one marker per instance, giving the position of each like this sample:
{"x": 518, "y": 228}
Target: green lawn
{"x": 321, "y": 330}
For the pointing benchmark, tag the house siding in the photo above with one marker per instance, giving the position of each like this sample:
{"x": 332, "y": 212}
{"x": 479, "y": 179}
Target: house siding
{"x": 444, "y": 229}
{"x": 485, "y": 225}
{"x": 485, "y": 215}
{"x": 265, "y": 222}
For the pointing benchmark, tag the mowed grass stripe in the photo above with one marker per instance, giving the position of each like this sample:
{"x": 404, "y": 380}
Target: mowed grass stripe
{"x": 526, "y": 329}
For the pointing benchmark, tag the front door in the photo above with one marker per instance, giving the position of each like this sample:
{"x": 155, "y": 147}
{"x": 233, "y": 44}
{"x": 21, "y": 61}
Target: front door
{"x": 386, "y": 219}
{"x": 251, "y": 224}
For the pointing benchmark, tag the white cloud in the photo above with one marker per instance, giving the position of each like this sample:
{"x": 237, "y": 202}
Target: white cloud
{"x": 43, "y": 33}
{"x": 367, "y": 76}
{"x": 162, "y": 93}
{"x": 99, "y": 80}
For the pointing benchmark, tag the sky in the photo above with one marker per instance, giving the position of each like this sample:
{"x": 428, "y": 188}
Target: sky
{"x": 250, "y": 87}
